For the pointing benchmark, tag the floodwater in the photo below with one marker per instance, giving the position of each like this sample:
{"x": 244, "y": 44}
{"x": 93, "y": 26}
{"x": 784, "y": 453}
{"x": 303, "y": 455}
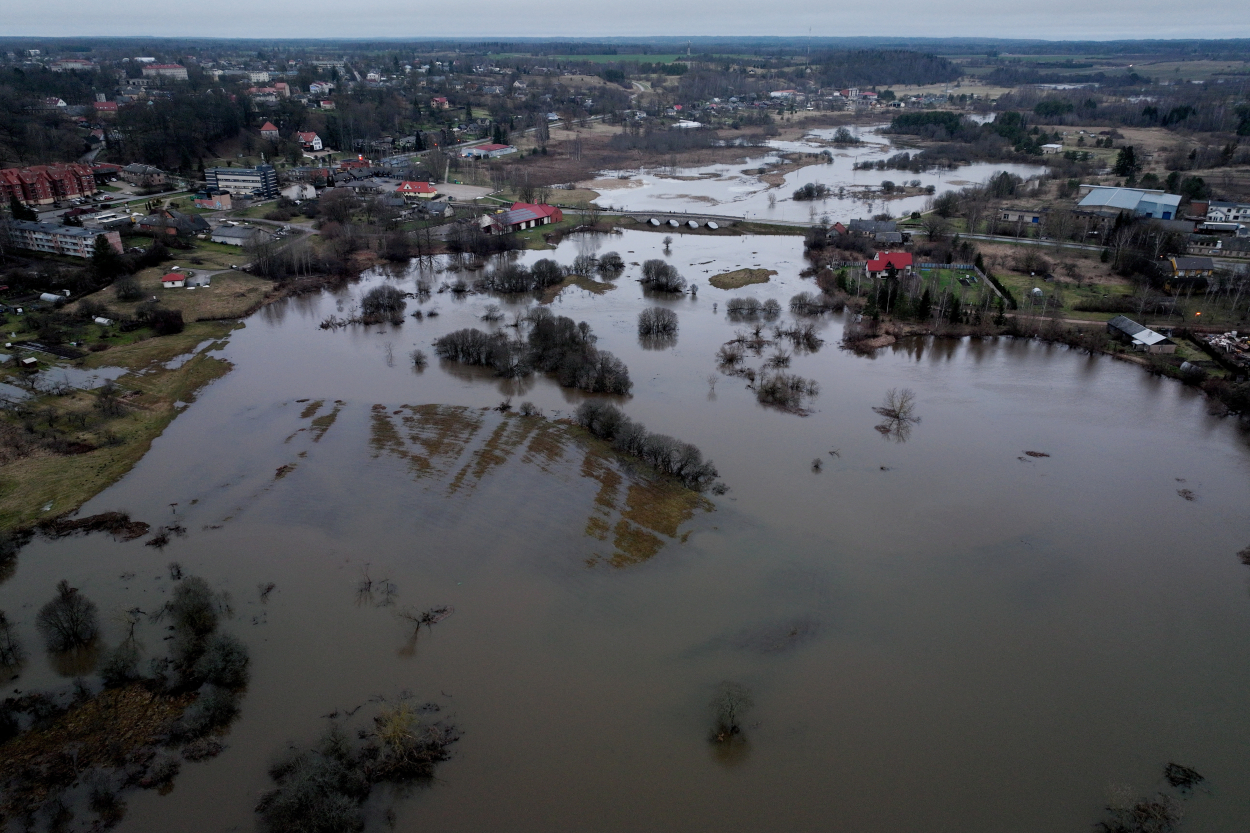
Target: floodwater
{"x": 736, "y": 190}
{"x": 940, "y": 635}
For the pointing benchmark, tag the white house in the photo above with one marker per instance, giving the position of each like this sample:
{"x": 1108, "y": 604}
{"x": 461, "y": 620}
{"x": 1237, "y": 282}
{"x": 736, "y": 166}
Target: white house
{"x": 174, "y": 280}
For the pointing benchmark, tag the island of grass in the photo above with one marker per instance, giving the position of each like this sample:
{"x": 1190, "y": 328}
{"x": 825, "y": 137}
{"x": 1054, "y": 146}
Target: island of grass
{"x": 739, "y": 278}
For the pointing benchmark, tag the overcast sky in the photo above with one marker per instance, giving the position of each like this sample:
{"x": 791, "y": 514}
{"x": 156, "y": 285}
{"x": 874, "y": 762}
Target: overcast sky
{"x": 1052, "y": 19}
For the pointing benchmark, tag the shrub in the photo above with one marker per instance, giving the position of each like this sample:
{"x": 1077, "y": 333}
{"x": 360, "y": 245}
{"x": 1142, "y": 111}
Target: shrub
{"x": 657, "y": 321}
{"x": 69, "y": 620}
{"x": 121, "y": 666}
{"x": 224, "y": 662}
{"x": 126, "y": 288}
{"x": 11, "y": 651}
{"x": 663, "y": 453}
{"x": 784, "y": 390}
{"x": 382, "y": 302}
{"x": 812, "y": 191}
{"x": 319, "y": 791}
{"x": 743, "y": 307}
{"x": 610, "y": 264}
{"x": 166, "y": 321}
{"x": 662, "y": 277}
{"x": 213, "y": 708}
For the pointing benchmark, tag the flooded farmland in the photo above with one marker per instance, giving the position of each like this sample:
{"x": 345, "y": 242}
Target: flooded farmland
{"x": 941, "y": 634}
{"x": 737, "y": 190}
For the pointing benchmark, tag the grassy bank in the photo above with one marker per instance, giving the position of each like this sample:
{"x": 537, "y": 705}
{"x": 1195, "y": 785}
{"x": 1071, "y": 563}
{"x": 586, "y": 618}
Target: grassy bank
{"x": 39, "y": 481}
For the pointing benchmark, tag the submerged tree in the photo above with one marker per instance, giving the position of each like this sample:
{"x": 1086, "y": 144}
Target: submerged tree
{"x": 731, "y": 703}
{"x": 899, "y": 410}
{"x": 68, "y": 621}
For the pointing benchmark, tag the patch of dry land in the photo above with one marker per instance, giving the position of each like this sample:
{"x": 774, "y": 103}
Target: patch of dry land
{"x": 231, "y": 294}
{"x": 739, "y": 278}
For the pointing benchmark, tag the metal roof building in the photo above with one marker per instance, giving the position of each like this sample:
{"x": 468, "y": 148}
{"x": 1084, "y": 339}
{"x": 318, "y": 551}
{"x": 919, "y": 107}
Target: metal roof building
{"x": 1109, "y": 201}
{"x": 1140, "y": 337}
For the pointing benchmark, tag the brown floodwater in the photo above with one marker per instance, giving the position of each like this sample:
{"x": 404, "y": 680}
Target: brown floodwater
{"x": 943, "y": 634}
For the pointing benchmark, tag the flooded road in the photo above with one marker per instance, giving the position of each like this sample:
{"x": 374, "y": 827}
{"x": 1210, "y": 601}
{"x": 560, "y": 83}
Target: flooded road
{"x": 942, "y": 635}
{"x": 736, "y": 190}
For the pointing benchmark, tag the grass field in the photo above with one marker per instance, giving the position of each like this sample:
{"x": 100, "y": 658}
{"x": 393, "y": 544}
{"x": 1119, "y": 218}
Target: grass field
{"x": 42, "y": 485}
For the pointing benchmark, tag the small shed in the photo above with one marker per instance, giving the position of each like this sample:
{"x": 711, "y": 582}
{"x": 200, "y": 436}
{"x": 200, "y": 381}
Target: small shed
{"x": 1139, "y": 337}
{"x": 174, "y": 280}
{"x": 29, "y": 363}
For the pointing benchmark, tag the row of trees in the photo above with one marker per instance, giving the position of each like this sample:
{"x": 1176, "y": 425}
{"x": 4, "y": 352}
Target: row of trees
{"x": 554, "y": 344}
{"x": 660, "y": 451}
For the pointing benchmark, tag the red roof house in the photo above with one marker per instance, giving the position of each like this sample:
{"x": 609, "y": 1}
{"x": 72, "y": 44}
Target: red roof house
{"x": 268, "y": 131}
{"x": 416, "y": 190}
{"x": 174, "y": 280}
{"x": 902, "y": 261}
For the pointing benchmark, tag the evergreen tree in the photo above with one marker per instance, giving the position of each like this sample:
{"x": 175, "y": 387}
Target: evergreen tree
{"x": 956, "y": 313}
{"x": 20, "y": 210}
{"x": 924, "y": 310}
{"x": 1126, "y": 164}
{"x": 1000, "y": 317}
{"x": 106, "y": 262}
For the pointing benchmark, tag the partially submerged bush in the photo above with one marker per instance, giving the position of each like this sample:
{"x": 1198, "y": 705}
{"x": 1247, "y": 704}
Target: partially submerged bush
{"x": 11, "y": 651}
{"x": 213, "y": 708}
{"x": 121, "y": 666}
{"x": 784, "y": 390}
{"x": 730, "y": 704}
{"x": 662, "y": 277}
{"x": 224, "y": 662}
{"x": 69, "y": 620}
{"x": 610, "y": 265}
{"x": 319, "y": 790}
{"x": 382, "y": 303}
{"x": 657, "y": 321}
{"x": 663, "y": 453}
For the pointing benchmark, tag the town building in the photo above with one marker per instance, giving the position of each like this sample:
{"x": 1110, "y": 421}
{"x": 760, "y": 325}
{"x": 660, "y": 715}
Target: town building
{"x": 174, "y": 280}
{"x": 309, "y": 141}
{"x": 172, "y": 223}
{"x": 1228, "y": 212}
{"x": 261, "y": 181}
{"x": 520, "y": 217}
{"x": 268, "y": 131}
{"x": 54, "y": 239}
{"x": 487, "y": 151}
{"x": 1138, "y": 337}
{"x": 214, "y": 199}
{"x": 239, "y": 235}
{"x": 1109, "y": 201}
{"x": 143, "y": 175}
{"x": 173, "y": 72}
{"x": 46, "y": 184}
{"x": 412, "y": 191}
{"x": 1022, "y": 215}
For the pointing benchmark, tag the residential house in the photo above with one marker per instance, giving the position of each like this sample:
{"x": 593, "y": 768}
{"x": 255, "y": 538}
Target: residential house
{"x": 309, "y": 141}
{"x": 299, "y": 191}
{"x": 105, "y": 108}
{"x": 1228, "y": 212}
{"x": 172, "y": 223}
{"x": 268, "y": 131}
{"x": 1226, "y": 247}
{"x": 1139, "y": 337}
{"x": 519, "y": 217}
{"x": 51, "y": 238}
{"x": 1052, "y": 148}
{"x": 144, "y": 176}
{"x": 1191, "y": 268}
{"x": 882, "y": 262}
{"x": 413, "y": 191}
{"x": 1109, "y": 201}
{"x": 439, "y": 102}
{"x": 870, "y": 228}
{"x": 174, "y": 280}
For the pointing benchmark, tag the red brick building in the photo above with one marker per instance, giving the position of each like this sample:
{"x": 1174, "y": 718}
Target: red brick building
{"x": 46, "y": 184}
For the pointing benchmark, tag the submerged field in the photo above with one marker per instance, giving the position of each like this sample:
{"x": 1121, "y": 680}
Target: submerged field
{"x": 940, "y": 633}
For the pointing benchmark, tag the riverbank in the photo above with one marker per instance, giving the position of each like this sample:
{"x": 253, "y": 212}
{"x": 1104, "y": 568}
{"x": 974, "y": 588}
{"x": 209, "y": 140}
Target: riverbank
{"x": 61, "y": 449}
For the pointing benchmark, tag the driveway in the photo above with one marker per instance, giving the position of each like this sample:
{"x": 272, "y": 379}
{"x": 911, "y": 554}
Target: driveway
{"x": 463, "y": 193}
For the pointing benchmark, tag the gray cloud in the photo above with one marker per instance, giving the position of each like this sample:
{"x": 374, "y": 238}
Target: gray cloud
{"x": 1053, "y": 19}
